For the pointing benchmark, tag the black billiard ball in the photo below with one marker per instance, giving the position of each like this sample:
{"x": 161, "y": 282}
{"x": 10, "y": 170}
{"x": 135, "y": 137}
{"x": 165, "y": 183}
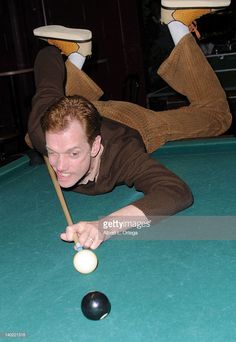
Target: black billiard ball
{"x": 95, "y": 305}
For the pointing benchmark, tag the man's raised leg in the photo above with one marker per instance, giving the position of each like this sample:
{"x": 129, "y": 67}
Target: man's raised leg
{"x": 49, "y": 72}
{"x": 189, "y": 73}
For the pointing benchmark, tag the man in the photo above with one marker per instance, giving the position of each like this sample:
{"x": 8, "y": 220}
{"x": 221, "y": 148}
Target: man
{"x": 92, "y": 155}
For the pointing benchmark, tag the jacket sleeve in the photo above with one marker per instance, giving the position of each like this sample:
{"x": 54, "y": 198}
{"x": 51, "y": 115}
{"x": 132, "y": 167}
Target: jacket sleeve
{"x": 164, "y": 192}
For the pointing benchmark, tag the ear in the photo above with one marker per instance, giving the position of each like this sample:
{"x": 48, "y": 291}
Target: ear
{"x": 96, "y": 146}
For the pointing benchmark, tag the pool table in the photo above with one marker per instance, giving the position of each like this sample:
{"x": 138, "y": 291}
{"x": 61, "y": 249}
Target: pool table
{"x": 176, "y": 282}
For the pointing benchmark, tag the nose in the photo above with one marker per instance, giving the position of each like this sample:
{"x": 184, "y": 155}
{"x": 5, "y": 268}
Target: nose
{"x": 62, "y": 163}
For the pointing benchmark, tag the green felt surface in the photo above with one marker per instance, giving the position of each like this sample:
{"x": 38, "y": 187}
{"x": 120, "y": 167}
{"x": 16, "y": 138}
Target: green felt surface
{"x": 160, "y": 289}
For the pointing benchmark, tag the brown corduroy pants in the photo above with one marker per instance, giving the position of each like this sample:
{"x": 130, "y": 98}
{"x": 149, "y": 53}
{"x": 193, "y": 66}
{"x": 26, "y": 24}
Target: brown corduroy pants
{"x": 188, "y": 72}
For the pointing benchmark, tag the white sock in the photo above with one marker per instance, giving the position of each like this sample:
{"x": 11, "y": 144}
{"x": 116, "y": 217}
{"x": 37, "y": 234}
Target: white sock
{"x": 77, "y": 59}
{"x": 177, "y": 30}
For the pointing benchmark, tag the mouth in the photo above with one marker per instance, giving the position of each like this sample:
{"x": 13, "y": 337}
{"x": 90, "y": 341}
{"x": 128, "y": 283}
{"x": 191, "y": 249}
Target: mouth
{"x": 62, "y": 175}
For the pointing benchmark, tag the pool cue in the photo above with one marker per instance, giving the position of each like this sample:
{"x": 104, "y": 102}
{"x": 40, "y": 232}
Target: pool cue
{"x": 62, "y": 201}
{"x": 58, "y": 191}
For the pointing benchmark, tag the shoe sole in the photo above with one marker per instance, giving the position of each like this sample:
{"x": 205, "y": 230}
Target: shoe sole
{"x": 171, "y": 4}
{"x": 63, "y": 33}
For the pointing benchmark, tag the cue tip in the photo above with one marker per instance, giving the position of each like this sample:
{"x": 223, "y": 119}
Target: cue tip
{"x": 78, "y": 246}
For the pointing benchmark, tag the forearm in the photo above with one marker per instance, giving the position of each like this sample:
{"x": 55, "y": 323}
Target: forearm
{"x": 128, "y": 211}
{"x": 166, "y": 200}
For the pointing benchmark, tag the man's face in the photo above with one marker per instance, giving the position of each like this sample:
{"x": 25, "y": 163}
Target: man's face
{"x": 69, "y": 153}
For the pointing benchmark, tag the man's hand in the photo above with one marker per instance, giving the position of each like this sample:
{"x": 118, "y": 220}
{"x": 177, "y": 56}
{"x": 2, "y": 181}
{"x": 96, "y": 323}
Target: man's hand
{"x": 88, "y": 234}
{"x": 91, "y": 234}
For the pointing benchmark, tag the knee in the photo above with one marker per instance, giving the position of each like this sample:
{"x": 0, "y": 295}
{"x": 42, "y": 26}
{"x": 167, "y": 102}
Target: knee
{"x": 224, "y": 120}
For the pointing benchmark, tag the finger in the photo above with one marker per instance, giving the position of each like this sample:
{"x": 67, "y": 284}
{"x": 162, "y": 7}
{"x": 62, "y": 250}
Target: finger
{"x": 63, "y": 236}
{"x": 83, "y": 238}
{"x": 70, "y": 231}
{"x": 68, "y": 234}
{"x": 96, "y": 244}
{"x": 89, "y": 241}
{"x": 97, "y": 241}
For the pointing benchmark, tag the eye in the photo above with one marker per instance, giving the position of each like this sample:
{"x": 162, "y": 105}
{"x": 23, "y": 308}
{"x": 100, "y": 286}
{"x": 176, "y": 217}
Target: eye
{"x": 74, "y": 154}
{"x": 51, "y": 153}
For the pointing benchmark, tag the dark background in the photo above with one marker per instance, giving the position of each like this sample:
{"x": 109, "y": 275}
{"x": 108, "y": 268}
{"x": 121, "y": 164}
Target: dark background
{"x": 129, "y": 44}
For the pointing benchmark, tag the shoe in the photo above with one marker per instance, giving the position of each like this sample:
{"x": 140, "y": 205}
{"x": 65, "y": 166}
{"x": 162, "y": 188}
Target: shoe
{"x": 195, "y": 3}
{"x": 185, "y": 16}
{"x": 188, "y": 11}
{"x": 68, "y": 40}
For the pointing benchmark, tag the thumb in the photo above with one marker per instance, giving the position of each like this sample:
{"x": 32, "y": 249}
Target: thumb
{"x": 63, "y": 236}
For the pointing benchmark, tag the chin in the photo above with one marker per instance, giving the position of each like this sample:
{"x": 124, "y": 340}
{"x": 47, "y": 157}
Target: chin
{"x": 67, "y": 184}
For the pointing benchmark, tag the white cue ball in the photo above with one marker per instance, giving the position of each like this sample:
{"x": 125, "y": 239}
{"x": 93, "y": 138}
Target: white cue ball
{"x": 85, "y": 261}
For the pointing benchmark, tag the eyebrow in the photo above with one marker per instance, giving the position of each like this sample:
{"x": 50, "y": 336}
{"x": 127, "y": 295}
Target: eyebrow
{"x": 67, "y": 151}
